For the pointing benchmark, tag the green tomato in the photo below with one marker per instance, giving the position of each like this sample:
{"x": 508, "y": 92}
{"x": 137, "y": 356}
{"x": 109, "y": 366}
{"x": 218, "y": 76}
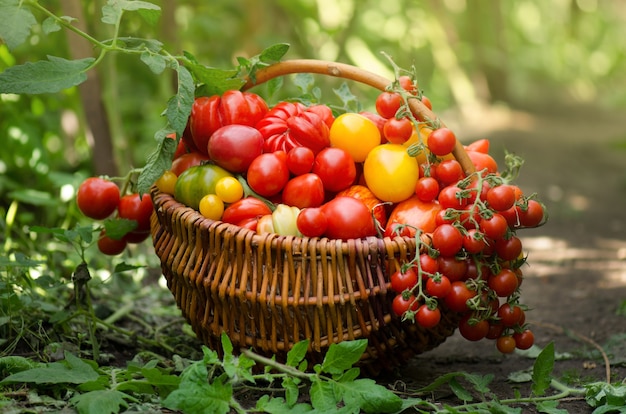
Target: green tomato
{"x": 196, "y": 182}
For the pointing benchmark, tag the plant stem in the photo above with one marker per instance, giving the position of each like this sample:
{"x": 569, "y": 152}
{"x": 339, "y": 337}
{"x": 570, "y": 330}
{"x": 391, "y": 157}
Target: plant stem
{"x": 273, "y": 364}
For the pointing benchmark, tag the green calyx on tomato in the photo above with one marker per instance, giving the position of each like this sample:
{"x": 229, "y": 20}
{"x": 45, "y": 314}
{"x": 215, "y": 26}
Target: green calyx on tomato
{"x": 196, "y": 182}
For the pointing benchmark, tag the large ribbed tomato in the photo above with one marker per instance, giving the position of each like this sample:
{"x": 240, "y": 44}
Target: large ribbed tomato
{"x": 391, "y": 173}
{"x": 414, "y": 213}
{"x": 196, "y": 182}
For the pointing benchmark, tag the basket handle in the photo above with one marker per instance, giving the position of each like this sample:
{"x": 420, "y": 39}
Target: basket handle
{"x": 342, "y": 70}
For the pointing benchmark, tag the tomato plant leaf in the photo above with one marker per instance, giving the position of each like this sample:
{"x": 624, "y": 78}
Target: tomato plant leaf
{"x": 542, "y": 370}
{"x": 213, "y": 81}
{"x": 341, "y": 356}
{"x": 297, "y": 353}
{"x": 15, "y": 22}
{"x": 550, "y": 407}
{"x": 100, "y": 401}
{"x": 157, "y": 162}
{"x": 459, "y": 390}
{"x": 44, "y": 76}
{"x": 322, "y": 396}
{"x": 155, "y": 62}
{"x": 72, "y": 370}
{"x": 277, "y": 405}
{"x": 50, "y": 25}
{"x": 274, "y": 53}
{"x": 179, "y": 106}
{"x": 601, "y": 394}
{"x": 369, "y": 396}
{"x": 117, "y": 228}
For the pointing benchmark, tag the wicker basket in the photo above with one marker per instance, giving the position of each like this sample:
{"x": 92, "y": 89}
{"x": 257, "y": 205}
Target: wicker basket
{"x": 268, "y": 292}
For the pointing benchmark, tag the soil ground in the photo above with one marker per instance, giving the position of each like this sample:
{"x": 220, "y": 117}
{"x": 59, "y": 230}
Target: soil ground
{"x": 576, "y": 279}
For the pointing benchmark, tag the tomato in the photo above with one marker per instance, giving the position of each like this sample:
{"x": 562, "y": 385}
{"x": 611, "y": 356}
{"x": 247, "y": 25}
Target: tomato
{"x": 309, "y": 130}
{"x": 441, "y": 141}
{"x": 364, "y": 194}
{"x": 97, "y": 198}
{"x": 398, "y": 131}
{"x": 400, "y": 305}
{"x": 494, "y": 227}
{"x": 458, "y": 296}
{"x": 501, "y": 197}
{"x": 415, "y": 213}
{"x": 483, "y": 162}
{"x": 300, "y": 160}
{"x": 524, "y": 339}
{"x": 196, "y": 182}
{"x": 408, "y": 84}
{"x": 181, "y": 147}
{"x": 427, "y": 189}
{"x": 265, "y": 225}
{"x": 268, "y": 174}
{"x": 234, "y": 147}
{"x": 167, "y": 182}
{"x": 510, "y": 315}
{"x": 284, "y": 220}
{"x": 312, "y": 222}
{"x": 505, "y": 344}
{"x": 455, "y": 269}
{"x": 532, "y": 216}
{"x": 438, "y": 287}
{"x": 208, "y": 114}
{"x": 391, "y": 173}
{"x": 138, "y": 208}
{"x": 482, "y": 145}
{"x": 449, "y": 172}
{"x": 355, "y": 134}
{"x": 109, "y": 246}
{"x": 472, "y": 329}
{"x": 473, "y": 242}
{"x": 426, "y": 317}
{"x": 229, "y": 189}
{"x": 324, "y": 112}
{"x": 247, "y": 208}
{"x": 428, "y": 264}
{"x": 211, "y": 207}
{"x": 387, "y": 104}
{"x": 348, "y": 218}
{"x": 336, "y": 168}
{"x": 503, "y": 283}
{"x": 451, "y": 196}
{"x": 508, "y": 249}
{"x": 306, "y": 190}
{"x": 378, "y": 120}
{"x": 403, "y": 280}
{"x": 274, "y": 127}
{"x": 447, "y": 239}
{"x": 427, "y": 103}
{"x": 186, "y": 161}
{"x": 495, "y": 330}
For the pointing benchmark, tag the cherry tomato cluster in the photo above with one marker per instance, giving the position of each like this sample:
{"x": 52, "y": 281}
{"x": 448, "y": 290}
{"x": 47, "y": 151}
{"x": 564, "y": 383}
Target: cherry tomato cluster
{"x": 304, "y": 171}
{"x": 99, "y": 198}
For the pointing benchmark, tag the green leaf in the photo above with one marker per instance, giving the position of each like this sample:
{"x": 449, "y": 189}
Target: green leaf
{"x": 602, "y": 394}
{"x": 34, "y": 197}
{"x": 550, "y": 407}
{"x": 196, "y": 395}
{"x": 297, "y": 353}
{"x": 179, "y": 106}
{"x": 13, "y": 364}
{"x": 70, "y": 371}
{"x": 125, "y": 267}
{"x": 50, "y": 25}
{"x": 159, "y": 161}
{"x": 213, "y": 81}
{"x": 117, "y": 228}
{"x": 111, "y": 12}
{"x": 20, "y": 261}
{"x": 341, "y": 356}
{"x": 290, "y": 385}
{"x": 480, "y": 382}
{"x": 542, "y": 370}
{"x": 277, "y": 405}
{"x": 156, "y": 63}
{"x": 370, "y": 397}
{"x": 460, "y": 391}
{"x": 15, "y": 22}
{"x": 322, "y": 396}
{"x": 53, "y": 75}
{"x": 100, "y": 402}
{"x": 274, "y": 53}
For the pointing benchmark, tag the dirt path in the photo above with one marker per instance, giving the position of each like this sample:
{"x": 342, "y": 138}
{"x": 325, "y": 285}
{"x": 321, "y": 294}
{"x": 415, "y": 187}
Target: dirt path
{"x": 576, "y": 281}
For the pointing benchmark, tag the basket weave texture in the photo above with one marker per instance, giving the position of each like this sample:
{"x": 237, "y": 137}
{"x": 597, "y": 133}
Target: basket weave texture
{"x": 268, "y": 292}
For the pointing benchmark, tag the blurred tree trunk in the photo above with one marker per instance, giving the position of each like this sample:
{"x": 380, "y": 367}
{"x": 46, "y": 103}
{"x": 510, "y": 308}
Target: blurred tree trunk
{"x": 91, "y": 95}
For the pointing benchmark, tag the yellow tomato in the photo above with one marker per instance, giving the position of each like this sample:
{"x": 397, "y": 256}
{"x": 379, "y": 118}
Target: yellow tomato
{"x": 355, "y": 134}
{"x": 229, "y": 189}
{"x": 211, "y": 207}
{"x": 167, "y": 182}
{"x": 391, "y": 173}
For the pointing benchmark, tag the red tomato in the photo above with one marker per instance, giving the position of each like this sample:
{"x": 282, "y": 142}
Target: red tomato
{"x": 208, "y": 114}
{"x": 303, "y": 191}
{"x": 532, "y": 216}
{"x": 441, "y": 141}
{"x": 415, "y": 213}
{"x": 449, "y": 172}
{"x": 408, "y": 84}
{"x": 509, "y": 249}
{"x": 503, "y": 283}
{"x": 426, "y": 317}
{"x": 361, "y": 192}
{"x": 398, "y": 131}
{"x": 348, "y": 218}
{"x": 524, "y": 339}
{"x": 97, "y": 198}
{"x": 505, "y": 344}
{"x": 378, "y": 120}
{"x": 482, "y": 145}
{"x": 483, "y": 162}
{"x": 501, "y": 197}
{"x": 510, "y": 315}
{"x": 133, "y": 207}
{"x": 388, "y": 103}
{"x": 447, "y": 239}
{"x": 234, "y": 147}
{"x": 300, "y": 160}
{"x": 428, "y": 264}
{"x": 427, "y": 189}
{"x": 494, "y": 227}
{"x": 451, "y": 197}
{"x": 438, "y": 287}
{"x": 336, "y": 168}
{"x": 312, "y": 222}
{"x": 324, "y": 112}
{"x": 403, "y": 280}
{"x": 109, "y": 246}
{"x": 452, "y": 267}
{"x": 473, "y": 330}
{"x": 268, "y": 174}
{"x": 400, "y": 305}
{"x": 473, "y": 243}
{"x": 186, "y": 161}
{"x": 309, "y": 130}
{"x": 458, "y": 296}
{"x": 245, "y": 209}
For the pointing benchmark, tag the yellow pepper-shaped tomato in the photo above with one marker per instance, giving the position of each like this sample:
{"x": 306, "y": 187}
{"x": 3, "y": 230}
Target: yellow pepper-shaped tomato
{"x": 284, "y": 220}
{"x": 391, "y": 173}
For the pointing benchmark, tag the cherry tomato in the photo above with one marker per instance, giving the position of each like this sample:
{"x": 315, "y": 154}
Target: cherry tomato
{"x": 508, "y": 249}
{"x": 505, "y": 344}
{"x": 510, "y": 315}
{"x": 388, "y": 103}
{"x": 532, "y": 216}
{"x": 501, "y": 197}
{"x": 481, "y": 145}
{"x": 336, "y": 168}
{"x": 416, "y": 214}
{"x": 391, "y": 173}
{"x": 300, "y": 160}
{"x": 187, "y": 161}
{"x": 268, "y": 174}
{"x": 473, "y": 242}
{"x": 348, "y": 218}
{"x": 455, "y": 269}
{"x": 458, "y": 296}
{"x": 229, "y": 189}
{"x": 400, "y": 305}
{"x": 426, "y": 317}
{"x": 196, "y": 182}
{"x": 447, "y": 239}
{"x": 97, "y": 198}
{"x": 306, "y": 190}
{"x": 441, "y": 141}
{"x": 449, "y": 172}
{"x": 438, "y": 287}
{"x": 245, "y": 209}
{"x": 503, "y": 283}
{"x": 355, "y": 134}
{"x": 427, "y": 189}
{"x": 211, "y": 207}
{"x": 402, "y": 280}
{"x": 109, "y": 246}
{"x": 138, "y": 208}
{"x": 408, "y": 84}
{"x": 483, "y": 162}
{"x": 312, "y": 222}
{"x": 398, "y": 131}
{"x": 451, "y": 197}
{"x": 495, "y": 330}
{"x": 428, "y": 264}
{"x": 167, "y": 182}
{"x": 494, "y": 227}
{"x": 473, "y": 330}
{"x": 524, "y": 339}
